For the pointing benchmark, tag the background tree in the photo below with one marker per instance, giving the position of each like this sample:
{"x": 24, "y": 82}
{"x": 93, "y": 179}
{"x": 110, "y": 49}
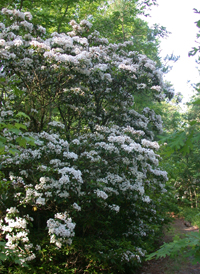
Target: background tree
{"x": 116, "y": 20}
{"x": 54, "y": 15}
{"x": 181, "y": 153}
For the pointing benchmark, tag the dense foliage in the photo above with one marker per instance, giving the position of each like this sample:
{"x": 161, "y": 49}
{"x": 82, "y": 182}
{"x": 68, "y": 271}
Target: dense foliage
{"x": 83, "y": 192}
{"x": 181, "y": 150}
{"x": 181, "y": 154}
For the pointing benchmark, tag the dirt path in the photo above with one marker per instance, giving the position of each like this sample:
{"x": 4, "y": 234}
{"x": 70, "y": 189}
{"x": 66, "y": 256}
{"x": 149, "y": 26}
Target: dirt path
{"x": 178, "y": 265}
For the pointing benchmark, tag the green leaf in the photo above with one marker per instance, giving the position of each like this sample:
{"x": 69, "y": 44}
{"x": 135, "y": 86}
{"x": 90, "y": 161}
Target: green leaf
{"x": 17, "y": 91}
{"x": 192, "y": 123}
{"x": 2, "y": 79}
{"x": 21, "y": 141}
{"x": 15, "y": 130}
{"x": 196, "y": 102}
{"x": 13, "y": 151}
{"x": 177, "y": 140}
{"x": 2, "y": 140}
{"x": 193, "y": 51}
{"x": 3, "y": 257}
{"x": 18, "y": 125}
{"x": 30, "y": 140}
{"x": 188, "y": 146}
{"x": 22, "y": 114}
{"x": 2, "y": 148}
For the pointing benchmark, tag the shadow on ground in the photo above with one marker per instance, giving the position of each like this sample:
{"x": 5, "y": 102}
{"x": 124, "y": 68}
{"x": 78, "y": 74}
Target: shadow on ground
{"x": 178, "y": 265}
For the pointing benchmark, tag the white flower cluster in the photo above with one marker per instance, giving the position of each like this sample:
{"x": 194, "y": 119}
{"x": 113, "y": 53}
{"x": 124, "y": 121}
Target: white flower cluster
{"x": 70, "y": 180}
{"x": 76, "y": 207}
{"x": 6, "y": 113}
{"x": 16, "y": 234}
{"x": 61, "y": 229}
{"x": 101, "y": 194}
{"x": 147, "y": 143}
{"x": 115, "y": 208}
{"x": 128, "y": 256}
{"x": 56, "y": 124}
{"x": 157, "y": 88}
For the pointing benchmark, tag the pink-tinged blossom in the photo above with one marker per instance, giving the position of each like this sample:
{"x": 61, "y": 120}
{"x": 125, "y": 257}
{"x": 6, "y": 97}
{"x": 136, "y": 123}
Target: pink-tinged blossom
{"x": 150, "y": 144}
{"x": 41, "y": 29}
{"x": 2, "y": 42}
{"x": 17, "y": 42}
{"x": 39, "y": 45}
{"x": 28, "y": 15}
{"x": 157, "y": 88}
{"x": 18, "y": 14}
{"x": 7, "y": 11}
{"x": 86, "y": 23}
{"x": 2, "y": 26}
{"x": 27, "y": 25}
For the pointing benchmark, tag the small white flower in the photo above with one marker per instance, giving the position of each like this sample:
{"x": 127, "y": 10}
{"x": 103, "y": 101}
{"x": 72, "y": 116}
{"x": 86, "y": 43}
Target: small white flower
{"x": 101, "y": 194}
{"x": 2, "y": 42}
{"x": 40, "y": 201}
{"x": 18, "y": 42}
{"x": 77, "y": 207}
{"x": 157, "y": 88}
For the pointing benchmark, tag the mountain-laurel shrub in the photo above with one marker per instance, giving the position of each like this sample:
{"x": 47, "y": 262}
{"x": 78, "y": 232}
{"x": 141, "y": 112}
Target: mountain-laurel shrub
{"x": 89, "y": 194}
